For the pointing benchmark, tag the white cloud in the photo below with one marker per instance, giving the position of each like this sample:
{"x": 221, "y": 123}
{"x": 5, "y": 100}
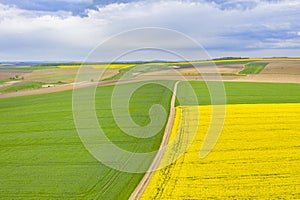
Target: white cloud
{"x": 40, "y": 35}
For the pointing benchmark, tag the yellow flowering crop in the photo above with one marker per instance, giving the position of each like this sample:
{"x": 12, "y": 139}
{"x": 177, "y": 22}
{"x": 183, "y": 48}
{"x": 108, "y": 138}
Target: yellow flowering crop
{"x": 99, "y": 66}
{"x": 113, "y": 66}
{"x": 69, "y": 66}
{"x": 257, "y": 156}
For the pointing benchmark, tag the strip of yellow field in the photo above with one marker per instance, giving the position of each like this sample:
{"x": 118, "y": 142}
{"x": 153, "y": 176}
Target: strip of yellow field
{"x": 257, "y": 155}
{"x": 113, "y": 66}
{"x": 276, "y": 59}
{"x": 98, "y": 66}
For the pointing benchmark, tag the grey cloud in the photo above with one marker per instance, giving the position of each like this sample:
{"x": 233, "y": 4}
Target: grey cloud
{"x": 42, "y": 34}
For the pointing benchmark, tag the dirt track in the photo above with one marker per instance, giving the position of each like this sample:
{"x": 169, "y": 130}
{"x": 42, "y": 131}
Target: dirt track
{"x": 139, "y": 190}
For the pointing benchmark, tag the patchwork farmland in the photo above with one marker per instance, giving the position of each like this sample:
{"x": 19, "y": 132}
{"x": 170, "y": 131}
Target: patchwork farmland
{"x": 42, "y": 156}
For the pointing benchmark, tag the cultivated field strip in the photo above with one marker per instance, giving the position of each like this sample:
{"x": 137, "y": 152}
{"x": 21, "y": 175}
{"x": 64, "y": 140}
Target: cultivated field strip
{"x": 42, "y": 156}
{"x": 257, "y": 156}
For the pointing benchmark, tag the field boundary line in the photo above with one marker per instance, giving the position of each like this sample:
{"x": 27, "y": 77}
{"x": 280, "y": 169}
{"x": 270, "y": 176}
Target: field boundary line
{"x": 141, "y": 187}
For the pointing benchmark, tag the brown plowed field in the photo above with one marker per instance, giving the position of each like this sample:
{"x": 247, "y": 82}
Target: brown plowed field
{"x": 283, "y": 68}
{"x": 5, "y": 74}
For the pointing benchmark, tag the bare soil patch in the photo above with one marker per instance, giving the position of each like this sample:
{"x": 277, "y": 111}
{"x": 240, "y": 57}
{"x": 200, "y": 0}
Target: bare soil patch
{"x": 63, "y": 75}
{"x": 5, "y": 74}
{"x": 224, "y": 69}
{"x": 283, "y": 67}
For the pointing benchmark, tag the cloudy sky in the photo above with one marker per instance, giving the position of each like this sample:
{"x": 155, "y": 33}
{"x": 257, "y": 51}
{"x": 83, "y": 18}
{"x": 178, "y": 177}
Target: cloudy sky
{"x": 58, "y": 30}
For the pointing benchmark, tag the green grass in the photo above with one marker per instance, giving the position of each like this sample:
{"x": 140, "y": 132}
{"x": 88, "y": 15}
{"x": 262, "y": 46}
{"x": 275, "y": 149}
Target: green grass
{"x": 120, "y": 75}
{"x": 4, "y": 81}
{"x": 42, "y": 156}
{"x": 23, "y": 86}
{"x": 253, "y": 68}
{"x": 241, "y": 92}
{"x": 12, "y": 68}
{"x": 11, "y": 79}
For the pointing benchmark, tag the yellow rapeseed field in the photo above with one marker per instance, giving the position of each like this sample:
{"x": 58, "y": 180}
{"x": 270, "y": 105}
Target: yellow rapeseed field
{"x": 113, "y": 66}
{"x": 69, "y": 66}
{"x": 99, "y": 66}
{"x": 257, "y": 156}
